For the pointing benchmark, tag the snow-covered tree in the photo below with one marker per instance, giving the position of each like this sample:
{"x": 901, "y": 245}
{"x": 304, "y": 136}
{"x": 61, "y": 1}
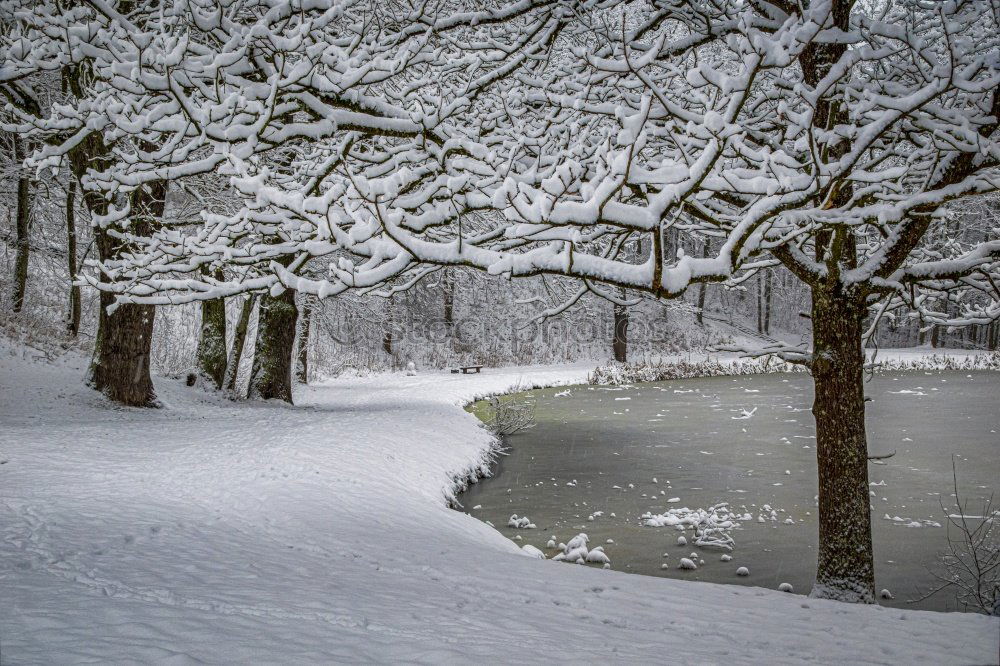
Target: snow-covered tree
{"x": 829, "y": 139}
{"x": 277, "y": 93}
{"x": 583, "y": 140}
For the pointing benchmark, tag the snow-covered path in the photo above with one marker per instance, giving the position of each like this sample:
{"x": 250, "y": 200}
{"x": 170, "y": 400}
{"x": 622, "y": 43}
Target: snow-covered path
{"x": 217, "y": 532}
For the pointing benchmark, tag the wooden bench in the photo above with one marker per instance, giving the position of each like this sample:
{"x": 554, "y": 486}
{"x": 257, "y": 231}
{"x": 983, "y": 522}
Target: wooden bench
{"x": 466, "y": 369}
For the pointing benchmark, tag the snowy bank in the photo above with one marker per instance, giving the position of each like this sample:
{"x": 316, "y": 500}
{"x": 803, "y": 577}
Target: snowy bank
{"x": 220, "y": 532}
{"x": 725, "y": 364}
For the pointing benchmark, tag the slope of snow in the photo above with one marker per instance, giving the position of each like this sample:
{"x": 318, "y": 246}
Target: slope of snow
{"x": 209, "y": 531}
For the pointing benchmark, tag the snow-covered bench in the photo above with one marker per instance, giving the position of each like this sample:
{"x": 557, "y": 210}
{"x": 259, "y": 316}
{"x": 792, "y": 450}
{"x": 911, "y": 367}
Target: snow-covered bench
{"x": 466, "y": 369}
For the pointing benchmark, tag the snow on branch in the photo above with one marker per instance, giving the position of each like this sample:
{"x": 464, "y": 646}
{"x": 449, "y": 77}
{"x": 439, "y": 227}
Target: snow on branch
{"x": 798, "y": 355}
{"x": 591, "y": 140}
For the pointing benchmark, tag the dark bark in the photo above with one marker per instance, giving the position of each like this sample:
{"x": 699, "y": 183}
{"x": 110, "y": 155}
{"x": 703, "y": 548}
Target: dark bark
{"x": 387, "y": 332}
{"x": 211, "y": 356}
{"x": 845, "y": 568}
{"x": 120, "y": 365}
{"x": 73, "y": 321}
{"x": 239, "y": 339}
{"x": 449, "y": 302}
{"x": 305, "y": 315}
{"x": 703, "y": 288}
{"x": 619, "y": 342}
{"x": 23, "y": 226}
{"x": 760, "y": 302}
{"x": 271, "y": 376}
{"x": 387, "y": 341}
{"x": 767, "y": 303}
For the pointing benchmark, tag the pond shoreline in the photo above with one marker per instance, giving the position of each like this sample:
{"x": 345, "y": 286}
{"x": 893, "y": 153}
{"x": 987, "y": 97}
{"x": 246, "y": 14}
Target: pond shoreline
{"x": 472, "y": 494}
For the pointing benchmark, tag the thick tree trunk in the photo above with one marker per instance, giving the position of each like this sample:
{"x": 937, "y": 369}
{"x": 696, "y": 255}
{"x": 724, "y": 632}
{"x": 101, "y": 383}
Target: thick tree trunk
{"x": 845, "y": 569}
{"x": 239, "y": 339}
{"x": 120, "y": 365}
{"x": 272, "y": 364}
{"x": 211, "y": 356}
{"x": 302, "y": 368}
{"x": 73, "y": 320}
{"x": 23, "y": 227}
{"x": 619, "y": 342}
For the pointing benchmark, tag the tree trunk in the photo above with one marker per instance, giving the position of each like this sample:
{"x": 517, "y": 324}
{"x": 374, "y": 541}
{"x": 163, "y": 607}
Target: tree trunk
{"x": 387, "y": 341}
{"x": 211, "y": 356}
{"x": 23, "y": 228}
{"x": 760, "y": 303}
{"x": 619, "y": 343}
{"x": 239, "y": 339}
{"x": 272, "y": 364}
{"x": 73, "y": 321}
{"x": 387, "y": 332}
{"x": 703, "y": 288}
{"x": 120, "y": 365}
{"x": 845, "y": 569}
{"x": 767, "y": 303}
{"x": 302, "y": 369}
{"x": 449, "y": 302}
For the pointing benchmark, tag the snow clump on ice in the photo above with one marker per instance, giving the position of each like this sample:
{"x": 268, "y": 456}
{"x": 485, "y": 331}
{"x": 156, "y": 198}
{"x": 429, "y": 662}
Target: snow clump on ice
{"x": 522, "y": 523}
{"x": 576, "y": 551}
{"x": 711, "y": 526}
{"x": 597, "y": 555}
{"x": 742, "y": 571}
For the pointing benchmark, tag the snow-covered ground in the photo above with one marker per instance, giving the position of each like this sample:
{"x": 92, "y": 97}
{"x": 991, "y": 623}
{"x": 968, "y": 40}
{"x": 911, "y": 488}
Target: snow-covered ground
{"x": 210, "y": 531}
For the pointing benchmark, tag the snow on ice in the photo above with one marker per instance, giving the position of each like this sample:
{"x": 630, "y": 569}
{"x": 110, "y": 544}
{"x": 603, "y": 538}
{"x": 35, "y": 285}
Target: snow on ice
{"x": 711, "y": 526}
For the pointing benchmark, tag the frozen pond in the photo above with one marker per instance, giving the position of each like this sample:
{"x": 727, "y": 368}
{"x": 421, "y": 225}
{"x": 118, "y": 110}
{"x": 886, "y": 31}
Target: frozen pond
{"x": 747, "y": 441}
